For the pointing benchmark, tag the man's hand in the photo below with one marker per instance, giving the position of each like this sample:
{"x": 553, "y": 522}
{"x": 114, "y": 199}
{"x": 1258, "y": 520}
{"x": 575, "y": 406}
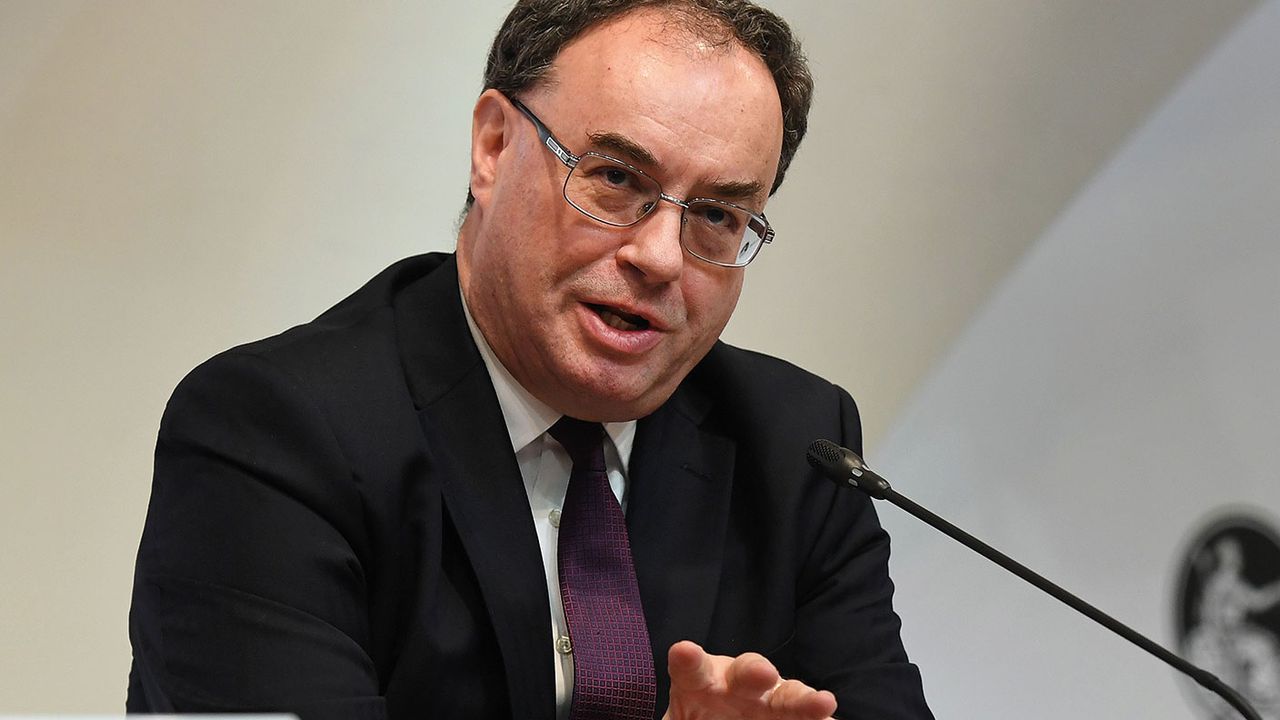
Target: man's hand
{"x": 748, "y": 687}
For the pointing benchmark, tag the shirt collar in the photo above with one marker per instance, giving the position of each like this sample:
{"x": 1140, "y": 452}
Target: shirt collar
{"x": 526, "y": 416}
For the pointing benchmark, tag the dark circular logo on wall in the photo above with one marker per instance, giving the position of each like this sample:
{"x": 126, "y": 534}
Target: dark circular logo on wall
{"x": 1227, "y": 611}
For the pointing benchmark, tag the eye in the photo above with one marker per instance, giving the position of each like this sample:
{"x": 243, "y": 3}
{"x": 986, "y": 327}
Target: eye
{"x": 607, "y": 176}
{"x": 715, "y": 217}
{"x": 616, "y": 176}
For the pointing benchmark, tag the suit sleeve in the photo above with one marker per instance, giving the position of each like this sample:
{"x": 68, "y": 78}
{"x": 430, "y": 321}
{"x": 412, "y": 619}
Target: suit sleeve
{"x": 250, "y": 593}
{"x": 847, "y": 635}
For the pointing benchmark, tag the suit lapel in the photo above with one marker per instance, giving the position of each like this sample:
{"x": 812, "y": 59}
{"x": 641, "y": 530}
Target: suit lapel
{"x": 483, "y": 492}
{"x": 677, "y": 510}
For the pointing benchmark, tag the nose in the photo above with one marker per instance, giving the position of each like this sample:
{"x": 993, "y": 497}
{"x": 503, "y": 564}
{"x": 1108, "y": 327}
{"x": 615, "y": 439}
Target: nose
{"x": 653, "y": 245}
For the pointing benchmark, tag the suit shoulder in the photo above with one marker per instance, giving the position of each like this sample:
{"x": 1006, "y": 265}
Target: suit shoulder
{"x": 748, "y": 372}
{"x": 351, "y": 339}
{"x": 754, "y": 396}
{"x": 346, "y": 360}
{"x": 349, "y": 326}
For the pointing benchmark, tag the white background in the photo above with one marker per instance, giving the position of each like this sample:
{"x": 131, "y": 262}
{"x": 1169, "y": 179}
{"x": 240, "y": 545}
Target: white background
{"x": 1120, "y": 388}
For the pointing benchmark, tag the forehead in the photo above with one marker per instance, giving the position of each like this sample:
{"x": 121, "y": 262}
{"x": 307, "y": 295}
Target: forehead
{"x": 702, "y": 104}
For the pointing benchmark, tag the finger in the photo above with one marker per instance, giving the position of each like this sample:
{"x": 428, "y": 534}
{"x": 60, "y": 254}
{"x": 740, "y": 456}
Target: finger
{"x": 750, "y": 676}
{"x": 690, "y": 666}
{"x": 793, "y": 696}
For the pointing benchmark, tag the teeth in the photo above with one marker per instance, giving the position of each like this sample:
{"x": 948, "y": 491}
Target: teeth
{"x": 616, "y": 321}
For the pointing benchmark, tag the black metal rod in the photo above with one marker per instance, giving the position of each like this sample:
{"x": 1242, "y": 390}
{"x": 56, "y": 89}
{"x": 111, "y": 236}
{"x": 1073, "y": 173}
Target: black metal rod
{"x": 1206, "y": 679}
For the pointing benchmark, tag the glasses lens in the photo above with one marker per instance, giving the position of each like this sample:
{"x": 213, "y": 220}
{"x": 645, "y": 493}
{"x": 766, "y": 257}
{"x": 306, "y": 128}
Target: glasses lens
{"x": 722, "y": 233}
{"x": 618, "y": 194}
{"x": 610, "y": 191}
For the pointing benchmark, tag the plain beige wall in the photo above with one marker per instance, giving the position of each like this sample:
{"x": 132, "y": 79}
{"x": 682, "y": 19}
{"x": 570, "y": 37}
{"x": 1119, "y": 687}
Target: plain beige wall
{"x": 179, "y": 177}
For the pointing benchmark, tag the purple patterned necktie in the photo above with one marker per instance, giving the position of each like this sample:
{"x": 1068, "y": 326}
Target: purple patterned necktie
{"x": 613, "y": 676}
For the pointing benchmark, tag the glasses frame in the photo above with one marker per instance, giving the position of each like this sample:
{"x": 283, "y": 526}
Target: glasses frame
{"x": 571, "y": 161}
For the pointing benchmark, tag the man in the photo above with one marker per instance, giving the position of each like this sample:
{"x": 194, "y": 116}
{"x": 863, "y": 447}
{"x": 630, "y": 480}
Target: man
{"x": 391, "y": 511}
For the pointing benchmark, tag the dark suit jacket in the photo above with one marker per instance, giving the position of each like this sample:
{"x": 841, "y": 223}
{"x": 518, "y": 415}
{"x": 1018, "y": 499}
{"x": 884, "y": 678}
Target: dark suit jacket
{"x": 338, "y": 528}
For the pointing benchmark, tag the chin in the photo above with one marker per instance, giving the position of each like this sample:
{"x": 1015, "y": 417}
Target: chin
{"x": 590, "y": 401}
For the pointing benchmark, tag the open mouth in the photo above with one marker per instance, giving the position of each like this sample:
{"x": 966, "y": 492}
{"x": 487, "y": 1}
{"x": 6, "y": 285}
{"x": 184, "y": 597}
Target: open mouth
{"x": 619, "y": 320}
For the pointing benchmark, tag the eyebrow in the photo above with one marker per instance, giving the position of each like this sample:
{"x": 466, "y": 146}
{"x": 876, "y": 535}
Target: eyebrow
{"x": 623, "y": 145}
{"x": 735, "y": 190}
{"x": 730, "y": 190}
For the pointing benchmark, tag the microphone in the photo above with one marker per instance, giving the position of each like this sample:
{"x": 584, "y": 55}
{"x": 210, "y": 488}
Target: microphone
{"x": 844, "y": 467}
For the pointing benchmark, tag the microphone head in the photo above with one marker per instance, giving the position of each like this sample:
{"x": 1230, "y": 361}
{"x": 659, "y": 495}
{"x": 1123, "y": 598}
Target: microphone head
{"x": 836, "y": 462}
{"x": 843, "y": 467}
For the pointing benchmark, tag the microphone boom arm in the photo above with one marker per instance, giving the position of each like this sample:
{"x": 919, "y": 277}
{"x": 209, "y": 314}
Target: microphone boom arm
{"x": 844, "y": 466}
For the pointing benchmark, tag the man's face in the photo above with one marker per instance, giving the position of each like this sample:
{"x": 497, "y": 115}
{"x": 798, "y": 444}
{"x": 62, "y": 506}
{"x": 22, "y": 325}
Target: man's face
{"x": 599, "y": 322}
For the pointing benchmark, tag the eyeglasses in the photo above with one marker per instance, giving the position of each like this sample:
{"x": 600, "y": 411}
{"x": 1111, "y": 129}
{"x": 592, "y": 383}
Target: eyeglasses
{"x": 615, "y": 193}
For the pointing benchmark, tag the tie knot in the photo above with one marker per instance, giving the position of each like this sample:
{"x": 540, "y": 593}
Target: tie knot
{"x": 582, "y": 440}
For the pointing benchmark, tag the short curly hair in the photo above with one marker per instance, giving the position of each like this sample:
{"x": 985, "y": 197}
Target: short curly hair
{"x": 535, "y": 32}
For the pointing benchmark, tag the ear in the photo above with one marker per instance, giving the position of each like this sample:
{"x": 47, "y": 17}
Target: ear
{"x": 489, "y": 138}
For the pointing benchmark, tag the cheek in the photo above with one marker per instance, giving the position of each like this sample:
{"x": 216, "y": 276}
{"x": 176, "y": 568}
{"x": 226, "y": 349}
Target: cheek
{"x": 580, "y": 252}
{"x": 530, "y": 243}
{"x": 710, "y": 298}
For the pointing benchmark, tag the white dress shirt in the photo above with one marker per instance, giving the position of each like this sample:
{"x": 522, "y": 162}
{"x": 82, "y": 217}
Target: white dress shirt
{"x": 545, "y": 466}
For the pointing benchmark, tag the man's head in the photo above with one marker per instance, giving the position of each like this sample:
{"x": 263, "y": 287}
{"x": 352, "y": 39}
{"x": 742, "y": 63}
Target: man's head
{"x": 535, "y": 31}
{"x": 603, "y": 322}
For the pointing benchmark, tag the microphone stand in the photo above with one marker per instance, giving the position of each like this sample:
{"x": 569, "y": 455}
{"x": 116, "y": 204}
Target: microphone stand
{"x": 848, "y": 468}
